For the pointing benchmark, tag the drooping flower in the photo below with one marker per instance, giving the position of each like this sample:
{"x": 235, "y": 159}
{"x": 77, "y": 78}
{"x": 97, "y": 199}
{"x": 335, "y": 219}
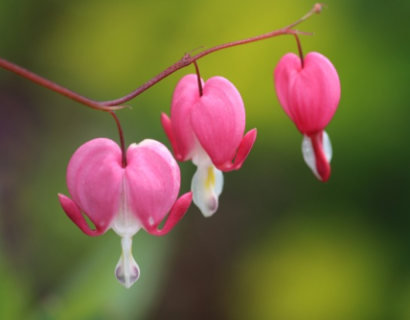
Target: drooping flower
{"x": 124, "y": 199}
{"x": 209, "y": 130}
{"x": 309, "y": 93}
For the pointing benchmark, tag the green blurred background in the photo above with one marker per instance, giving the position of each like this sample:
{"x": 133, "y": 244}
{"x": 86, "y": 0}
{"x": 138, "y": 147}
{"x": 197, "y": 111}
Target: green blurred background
{"x": 282, "y": 245}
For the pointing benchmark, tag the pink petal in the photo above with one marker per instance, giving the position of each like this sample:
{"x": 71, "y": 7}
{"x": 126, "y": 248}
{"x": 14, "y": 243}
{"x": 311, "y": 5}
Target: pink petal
{"x": 218, "y": 120}
{"x": 309, "y": 95}
{"x": 178, "y": 210}
{"x": 167, "y": 125}
{"x": 74, "y": 213}
{"x": 185, "y": 96}
{"x": 243, "y": 152}
{"x": 152, "y": 182}
{"x": 94, "y": 178}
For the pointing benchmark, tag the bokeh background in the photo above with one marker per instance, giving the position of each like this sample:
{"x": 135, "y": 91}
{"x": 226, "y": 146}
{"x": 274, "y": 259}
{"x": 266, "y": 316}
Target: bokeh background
{"x": 282, "y": 246}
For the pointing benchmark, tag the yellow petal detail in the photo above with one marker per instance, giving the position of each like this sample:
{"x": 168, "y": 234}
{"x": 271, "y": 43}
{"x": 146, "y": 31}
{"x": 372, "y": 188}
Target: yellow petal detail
{"x": 210, "y": 181}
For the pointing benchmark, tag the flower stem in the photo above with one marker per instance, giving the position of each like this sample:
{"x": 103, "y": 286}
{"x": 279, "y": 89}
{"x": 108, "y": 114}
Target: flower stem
{"x": 122, "y": 141}
{"x": 300, "y": 50}
{"x": 185, "y": 61}
{"x": 199, "y": 79}
{"x": 54, "y": 87}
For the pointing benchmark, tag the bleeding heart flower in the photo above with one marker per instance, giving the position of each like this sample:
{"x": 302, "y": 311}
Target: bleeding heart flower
{"x": 309, "y": 92}
{"x": 125, "y": 199}
{"x": 208, "y": 130}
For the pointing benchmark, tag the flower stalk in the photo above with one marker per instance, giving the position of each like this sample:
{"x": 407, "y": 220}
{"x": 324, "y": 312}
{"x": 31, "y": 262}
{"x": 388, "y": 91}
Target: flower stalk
{"x": 302, "y": 59}
{"x": 186, "y": 60}
{"x": 55, "y": 87}
{"x": 198, "y": 75}
{"x": 122, "y": 140}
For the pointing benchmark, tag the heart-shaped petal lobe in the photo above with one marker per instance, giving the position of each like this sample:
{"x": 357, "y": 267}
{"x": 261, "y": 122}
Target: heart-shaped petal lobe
{"x": 180, "y": 132}
{"x": 153, "y": 180}
{"x": 218, "y": 120}
{"x": 309, "y": 95}
{"x": 94, "y": 178}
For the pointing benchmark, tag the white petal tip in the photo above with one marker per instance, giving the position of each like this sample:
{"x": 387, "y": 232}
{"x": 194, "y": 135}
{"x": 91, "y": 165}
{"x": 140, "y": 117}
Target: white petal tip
{"x": 309, "y": 153}
{"x": 127, "y": 271}
{"x": 127, "y": 277}
{"x": 207, "y": 185}
{"x": 209, "y": 208}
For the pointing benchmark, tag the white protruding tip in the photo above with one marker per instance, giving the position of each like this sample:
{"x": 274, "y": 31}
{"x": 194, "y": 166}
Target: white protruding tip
{"x": 206, "y": 187}
{"x": 309, "y": 153}
{"x": 127, "y": 271}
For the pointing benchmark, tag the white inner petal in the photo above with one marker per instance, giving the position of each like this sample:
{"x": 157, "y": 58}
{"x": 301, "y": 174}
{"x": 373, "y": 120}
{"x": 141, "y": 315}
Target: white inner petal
{"x": 327, "y": 147}
{"x": 199, "y": 156}
{"x": 309, "y": 154}
{"x": 127, "y": 270}
{"x": 207, "y": 185}
{"x": 126, "y": 225}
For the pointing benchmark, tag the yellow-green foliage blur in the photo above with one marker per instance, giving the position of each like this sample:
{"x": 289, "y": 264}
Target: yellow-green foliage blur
{"x": 282, "y": 246}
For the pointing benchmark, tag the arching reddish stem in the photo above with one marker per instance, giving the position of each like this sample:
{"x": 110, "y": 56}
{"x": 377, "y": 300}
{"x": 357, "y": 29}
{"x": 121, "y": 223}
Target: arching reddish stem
{"x": 54, "y": 87}
{"x": 185, "y": 61}
{"x": 300, "y": 50}
{"x": 122, "y": 141}
{"x": 198, "y": 75}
